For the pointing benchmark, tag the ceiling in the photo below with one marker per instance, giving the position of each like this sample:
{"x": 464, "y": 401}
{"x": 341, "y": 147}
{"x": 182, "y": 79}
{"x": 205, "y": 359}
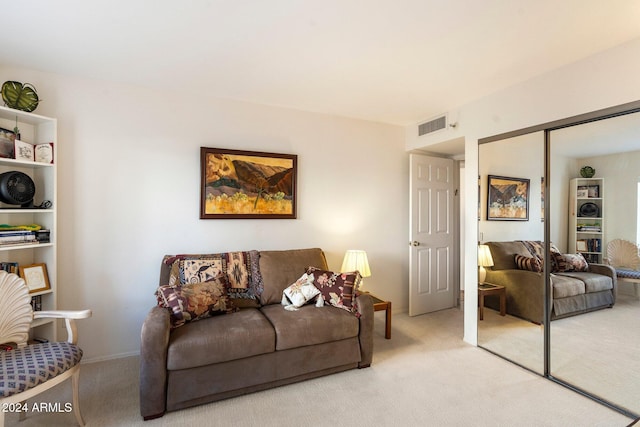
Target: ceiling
{"x": 391, "y": 61}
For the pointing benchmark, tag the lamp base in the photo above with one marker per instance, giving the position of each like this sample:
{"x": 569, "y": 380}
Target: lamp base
{"x": 482, "y": 274}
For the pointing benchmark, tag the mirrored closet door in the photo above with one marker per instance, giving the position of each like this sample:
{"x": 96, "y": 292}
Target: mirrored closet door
{"x": 510, "y": 217}
{"x": 598, "y": 351}
{"x": 592, "y": 341}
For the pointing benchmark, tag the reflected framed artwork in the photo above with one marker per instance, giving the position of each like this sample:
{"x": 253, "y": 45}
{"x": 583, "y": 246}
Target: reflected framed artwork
{"x": 507, "y": 198}
{"x": 239, "y": 184}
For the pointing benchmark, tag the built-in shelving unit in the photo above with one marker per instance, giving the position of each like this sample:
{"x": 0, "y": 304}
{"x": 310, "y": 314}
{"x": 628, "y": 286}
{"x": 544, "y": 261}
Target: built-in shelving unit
{"x": 586, "y": 218}
{"x": 34, "y": 129}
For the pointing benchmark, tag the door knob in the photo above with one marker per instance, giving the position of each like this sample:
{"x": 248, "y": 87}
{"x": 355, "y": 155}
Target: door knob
{"x": 415, "y": 243}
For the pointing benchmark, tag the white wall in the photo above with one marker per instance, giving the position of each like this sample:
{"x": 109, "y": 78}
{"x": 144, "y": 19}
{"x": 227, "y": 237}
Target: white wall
{"x": 128, "y": 165}
{"x": 600, "y": 81}
{"x": 521, "y": 157}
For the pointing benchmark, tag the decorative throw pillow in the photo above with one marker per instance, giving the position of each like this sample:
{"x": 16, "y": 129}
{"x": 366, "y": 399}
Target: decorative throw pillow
{"x": 299, "y": 293}
{"x": 191, "y": 302}
{"x": 338, "y": 289}
{"x": 528, "y": 263}
{"x": 570, "y": 262}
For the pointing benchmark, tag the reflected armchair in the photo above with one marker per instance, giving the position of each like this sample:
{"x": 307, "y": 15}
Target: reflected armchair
{"x": 30, "y": 369}
{"x": 624, "y": 257}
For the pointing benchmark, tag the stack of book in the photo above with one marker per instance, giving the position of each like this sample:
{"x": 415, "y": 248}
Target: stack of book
{"x": 588, "y": 227}
{"x": 17, "y": 237}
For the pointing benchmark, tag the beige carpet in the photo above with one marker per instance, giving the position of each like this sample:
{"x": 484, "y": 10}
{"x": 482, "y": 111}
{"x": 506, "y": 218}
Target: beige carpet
{"x": 424, "y": 376}
{"x": 597, "y": 352}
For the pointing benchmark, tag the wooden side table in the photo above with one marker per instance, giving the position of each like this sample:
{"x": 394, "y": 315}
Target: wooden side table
{"x": 378, "y": 305}
{"x": 485, "y": 289}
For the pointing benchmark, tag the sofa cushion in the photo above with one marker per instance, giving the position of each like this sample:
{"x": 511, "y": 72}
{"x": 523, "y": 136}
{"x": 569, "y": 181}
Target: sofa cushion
{"x": 237, "y": 335}
{"x": 194, "y": 301}
{"x": 337, "y": 289}
{"x": 503, "y": 254}
{"x": 279, "y": 269}
{"x": 569, "y": 262}
{"x": 593, "y": 282}
{"x": 565, "y": 286}
{"x": 310, "y": 325}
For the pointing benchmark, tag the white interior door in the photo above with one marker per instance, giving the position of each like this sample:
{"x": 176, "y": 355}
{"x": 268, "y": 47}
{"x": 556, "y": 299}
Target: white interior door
{"x": 431, "y": 262}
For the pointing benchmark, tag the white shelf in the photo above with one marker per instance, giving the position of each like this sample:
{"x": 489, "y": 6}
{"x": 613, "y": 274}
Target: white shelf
{"x": 34, "y": 129}
{"x": 24, "y": 163}
{"x": 591, "y": 236}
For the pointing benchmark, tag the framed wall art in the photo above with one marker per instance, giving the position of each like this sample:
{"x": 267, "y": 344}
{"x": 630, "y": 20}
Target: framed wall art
{"x": 36, "y": 277}
{"x": 247, "y": 184}
{"x": 507, "y": 198}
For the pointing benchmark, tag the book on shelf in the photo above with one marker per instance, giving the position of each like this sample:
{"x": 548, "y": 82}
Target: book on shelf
{"x": 36, "y": 303}
{"x": 17, "y": 236}
{"x": 10, "y": 267}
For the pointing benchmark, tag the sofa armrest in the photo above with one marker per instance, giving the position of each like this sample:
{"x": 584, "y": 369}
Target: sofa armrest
{"x": 154, "y": 341}
{"x": 365, "y": 309}
{"x": 525, "y": 292}
{"x": 606, "y": 270}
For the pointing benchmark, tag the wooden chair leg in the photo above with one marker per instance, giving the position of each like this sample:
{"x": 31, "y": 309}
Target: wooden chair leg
{"x": 23, "y": 414}
{"x": 75, "y": 381}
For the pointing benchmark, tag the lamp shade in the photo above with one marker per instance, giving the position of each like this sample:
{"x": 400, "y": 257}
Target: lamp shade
{"x": 484, "y": 256}
{"x": 356, "y": 260}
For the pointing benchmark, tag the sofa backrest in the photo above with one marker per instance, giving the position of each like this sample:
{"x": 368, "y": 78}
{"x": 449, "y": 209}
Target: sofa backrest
{"x": 279, "y": 269}
{"x": 503, "y": 254}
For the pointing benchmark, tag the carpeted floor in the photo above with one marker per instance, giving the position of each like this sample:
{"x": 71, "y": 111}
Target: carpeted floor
{"x": 424, "y": 376}
{"x": 596, "y": 352}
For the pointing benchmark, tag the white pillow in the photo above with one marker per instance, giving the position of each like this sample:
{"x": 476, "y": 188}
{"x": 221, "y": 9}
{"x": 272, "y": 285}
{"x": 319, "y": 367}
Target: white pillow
{"x": 299, "y": 293}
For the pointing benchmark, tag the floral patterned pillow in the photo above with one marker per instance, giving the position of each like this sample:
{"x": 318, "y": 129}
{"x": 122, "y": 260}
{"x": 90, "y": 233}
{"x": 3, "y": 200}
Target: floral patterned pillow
{"x": 299, "y": 293}
{"x": 570, "y": 262}
{"x": 337, "y": 289}
{"x": 191, "y": 302}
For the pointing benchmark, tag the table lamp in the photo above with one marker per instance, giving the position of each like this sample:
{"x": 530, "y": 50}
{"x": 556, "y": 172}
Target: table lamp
{"x": 356, "y": 260}
{"x": 484, "y": 260}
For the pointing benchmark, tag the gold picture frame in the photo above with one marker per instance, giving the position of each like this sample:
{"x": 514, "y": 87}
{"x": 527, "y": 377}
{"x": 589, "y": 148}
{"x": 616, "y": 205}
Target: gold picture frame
{"x": 36, "y": 277}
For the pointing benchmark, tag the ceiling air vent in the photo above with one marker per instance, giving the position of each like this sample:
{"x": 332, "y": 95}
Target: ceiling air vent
{"x": 432, "y": 125}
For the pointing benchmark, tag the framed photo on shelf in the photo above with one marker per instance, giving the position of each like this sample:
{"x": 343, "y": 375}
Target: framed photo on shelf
{"x": 35, "y": 276}
{"x": 593, "y": 191}
{"x": 583, "y": 191}
{"x": 507, "y": 198}
{"x": 24, "y": 151}
{"x": 581, "y": 245}
{"x": 7, "y": 139}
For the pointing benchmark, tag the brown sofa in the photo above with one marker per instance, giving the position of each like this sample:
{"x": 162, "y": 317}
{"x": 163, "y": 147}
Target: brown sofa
{"x": 572, "y": 292}
{"x": 252, "y": 349}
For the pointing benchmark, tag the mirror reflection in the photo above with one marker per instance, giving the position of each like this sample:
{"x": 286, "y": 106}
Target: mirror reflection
{"x": 594, "y": 263}
{"x": 596, "y": 350}
{"x": 511, "y": 228}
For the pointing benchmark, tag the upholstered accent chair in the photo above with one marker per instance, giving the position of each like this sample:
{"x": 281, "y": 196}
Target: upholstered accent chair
{"x": 29, "y": 369}
{"x": 624, "y": 257}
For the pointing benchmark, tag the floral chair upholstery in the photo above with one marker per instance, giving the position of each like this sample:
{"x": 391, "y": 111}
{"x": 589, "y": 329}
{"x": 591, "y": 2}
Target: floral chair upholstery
{"x": 30, "y": 369}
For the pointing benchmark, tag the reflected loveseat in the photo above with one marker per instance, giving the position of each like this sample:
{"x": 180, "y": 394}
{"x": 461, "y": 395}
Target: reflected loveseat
{"x": 572, "y": 292}
{"x": 257, "y": 347}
